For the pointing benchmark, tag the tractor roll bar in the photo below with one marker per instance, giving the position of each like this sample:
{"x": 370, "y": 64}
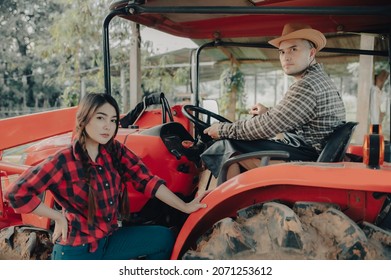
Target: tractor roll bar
{"x": 268, "y": 46}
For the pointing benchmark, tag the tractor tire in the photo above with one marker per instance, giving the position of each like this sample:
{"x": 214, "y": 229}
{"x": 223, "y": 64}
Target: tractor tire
{"x": 308, "y": 230}
{"x": 25, "y": 243}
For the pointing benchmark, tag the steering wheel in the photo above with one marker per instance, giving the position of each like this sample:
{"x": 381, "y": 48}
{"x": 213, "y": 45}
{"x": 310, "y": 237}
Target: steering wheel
{"x": 199, "y": 124}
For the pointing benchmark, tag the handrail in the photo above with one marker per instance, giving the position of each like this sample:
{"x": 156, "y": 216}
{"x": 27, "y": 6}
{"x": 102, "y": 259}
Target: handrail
{"x": 263, "y": 156}
{"x": 106, "y": 48}
{"x": 13, "y": 168}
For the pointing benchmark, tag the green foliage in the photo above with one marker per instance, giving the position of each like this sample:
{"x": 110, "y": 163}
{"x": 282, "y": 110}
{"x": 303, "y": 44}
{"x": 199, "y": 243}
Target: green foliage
{"x": 70, "y": 97}
{"x": 232, "y": 79}
{"x": 233, "y": 97}
{"x": 51, "y": 48}
{"x": 76, "y": 43}
{"x": 162, "y": 77}
{"x": 22, "y": 25}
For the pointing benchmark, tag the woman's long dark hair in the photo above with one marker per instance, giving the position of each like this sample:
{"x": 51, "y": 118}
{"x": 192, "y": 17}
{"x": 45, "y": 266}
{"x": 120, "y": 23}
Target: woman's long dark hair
{"x": 87, "y": 108}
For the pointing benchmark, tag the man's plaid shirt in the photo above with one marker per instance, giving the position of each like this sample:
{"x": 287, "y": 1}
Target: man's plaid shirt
{"x": 64, "y": 176}
{"x": 311, "y": 108}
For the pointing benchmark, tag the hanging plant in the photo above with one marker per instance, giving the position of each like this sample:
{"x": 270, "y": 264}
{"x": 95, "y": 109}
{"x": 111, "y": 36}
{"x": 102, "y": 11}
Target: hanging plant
{"x": 232, "y": 79}
{"x": 233, "y": 96}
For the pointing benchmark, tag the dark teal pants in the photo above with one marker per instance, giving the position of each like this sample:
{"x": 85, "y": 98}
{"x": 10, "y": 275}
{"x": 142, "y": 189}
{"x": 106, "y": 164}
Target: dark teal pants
{"x": 136, "y": 242}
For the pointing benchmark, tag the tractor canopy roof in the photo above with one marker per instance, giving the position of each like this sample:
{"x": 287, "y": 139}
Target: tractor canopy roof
{"x": 258, "y": 21}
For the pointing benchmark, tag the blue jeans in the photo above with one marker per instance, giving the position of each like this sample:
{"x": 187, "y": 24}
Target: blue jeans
{"x": 136, "y": 242}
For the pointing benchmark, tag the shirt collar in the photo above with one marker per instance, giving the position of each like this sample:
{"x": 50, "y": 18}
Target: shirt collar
{"x": 313, "y": 67}
{"x": 316, "y": 66}
{"x": 77, "y": 150}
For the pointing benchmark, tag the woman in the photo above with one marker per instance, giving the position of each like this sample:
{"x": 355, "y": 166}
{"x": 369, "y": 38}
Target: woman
{"x": 87, "y": 180}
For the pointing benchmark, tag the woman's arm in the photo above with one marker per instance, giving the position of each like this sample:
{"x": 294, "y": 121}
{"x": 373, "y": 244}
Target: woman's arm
{"x": 168, "y": 197}
{"x": 23, "y": 194}
{"x": 61, "y": 223}
{"x": 148, "y": 184}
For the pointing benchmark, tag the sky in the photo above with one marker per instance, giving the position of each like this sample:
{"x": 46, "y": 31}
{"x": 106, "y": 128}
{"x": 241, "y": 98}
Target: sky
{"x": 164, "y": 42}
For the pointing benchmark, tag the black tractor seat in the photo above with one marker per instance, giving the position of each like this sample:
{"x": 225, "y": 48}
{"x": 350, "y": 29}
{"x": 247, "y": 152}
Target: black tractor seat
{"x": 337, "y": 143}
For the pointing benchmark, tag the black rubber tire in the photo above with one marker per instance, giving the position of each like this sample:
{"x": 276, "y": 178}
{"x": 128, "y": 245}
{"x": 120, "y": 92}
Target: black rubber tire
{"x": 307, "y": 230}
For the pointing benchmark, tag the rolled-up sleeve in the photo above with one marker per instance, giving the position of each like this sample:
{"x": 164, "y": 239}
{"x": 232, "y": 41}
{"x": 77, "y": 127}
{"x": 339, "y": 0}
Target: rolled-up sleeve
{"x": 23, "y": 194}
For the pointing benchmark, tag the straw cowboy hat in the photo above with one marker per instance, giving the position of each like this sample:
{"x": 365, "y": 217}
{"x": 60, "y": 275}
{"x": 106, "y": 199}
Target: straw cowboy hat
{"x": 300, "y": 31}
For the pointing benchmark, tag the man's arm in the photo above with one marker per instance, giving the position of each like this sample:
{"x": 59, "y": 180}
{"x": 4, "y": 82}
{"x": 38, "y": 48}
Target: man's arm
{"x": 295, "y": 109}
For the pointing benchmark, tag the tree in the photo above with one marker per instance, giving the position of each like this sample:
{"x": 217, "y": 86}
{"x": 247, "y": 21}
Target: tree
{"x": 24, "y": 25}
{"x": 76, "y": 43}
{"x": 52, "y": 49}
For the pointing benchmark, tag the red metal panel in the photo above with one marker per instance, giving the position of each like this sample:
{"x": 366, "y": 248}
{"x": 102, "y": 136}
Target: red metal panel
{"x": 8, "y": 216}
{"x": 25, "y": 129}
{"x": 2, "y": 212}
{"x": 39, "y": 221}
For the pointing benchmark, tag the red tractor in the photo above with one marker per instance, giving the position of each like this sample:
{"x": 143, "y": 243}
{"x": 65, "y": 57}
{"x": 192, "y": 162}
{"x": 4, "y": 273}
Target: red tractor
{"x": 335, "y": 208}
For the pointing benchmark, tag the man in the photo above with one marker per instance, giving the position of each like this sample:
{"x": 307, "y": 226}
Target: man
{"x": 378, "y": 98}
{"x": 309, "y": 112}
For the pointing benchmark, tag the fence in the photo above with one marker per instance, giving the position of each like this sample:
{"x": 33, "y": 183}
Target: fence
{"x": 14, "y": 112}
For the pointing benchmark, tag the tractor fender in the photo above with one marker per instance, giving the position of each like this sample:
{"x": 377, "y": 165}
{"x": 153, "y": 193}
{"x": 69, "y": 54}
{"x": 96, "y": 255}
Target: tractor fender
{"x": 350, "y": 185}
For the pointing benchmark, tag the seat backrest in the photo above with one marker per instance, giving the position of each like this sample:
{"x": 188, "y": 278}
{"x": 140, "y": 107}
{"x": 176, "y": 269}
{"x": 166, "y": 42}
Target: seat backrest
{"x": 337, "y": 144}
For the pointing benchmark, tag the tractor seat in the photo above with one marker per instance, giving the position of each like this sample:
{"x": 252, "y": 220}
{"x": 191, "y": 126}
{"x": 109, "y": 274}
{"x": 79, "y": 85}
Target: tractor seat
{"x": 334, "y": 150}
{"x": 337, "y": 143}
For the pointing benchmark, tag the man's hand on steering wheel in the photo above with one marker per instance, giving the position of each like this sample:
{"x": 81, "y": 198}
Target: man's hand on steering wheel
{"x": 193, "y": 114}
{"x": 213, "y": 131}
